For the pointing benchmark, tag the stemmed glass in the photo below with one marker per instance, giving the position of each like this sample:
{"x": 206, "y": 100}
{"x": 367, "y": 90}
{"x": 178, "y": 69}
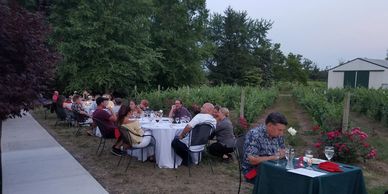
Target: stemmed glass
{"x": 157, "y": 117}
{"x": 329, "y": 152}
{"x": 309, "y": 157}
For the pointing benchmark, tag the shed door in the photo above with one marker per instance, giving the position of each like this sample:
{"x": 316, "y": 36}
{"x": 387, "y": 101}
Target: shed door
{"x": 362, "y": 79}
{"x": 350, "y": 79}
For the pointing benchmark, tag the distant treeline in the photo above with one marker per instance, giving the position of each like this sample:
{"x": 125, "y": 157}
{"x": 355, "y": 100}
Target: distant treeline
{"x": 113, "y": 46}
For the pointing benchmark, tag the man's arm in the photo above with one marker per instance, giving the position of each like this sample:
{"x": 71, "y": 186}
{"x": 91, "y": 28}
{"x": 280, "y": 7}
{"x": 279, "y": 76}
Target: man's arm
{"x": 254, "y": 160}
{"x": 185, "y": 131}
{"x": 171, "y": 114}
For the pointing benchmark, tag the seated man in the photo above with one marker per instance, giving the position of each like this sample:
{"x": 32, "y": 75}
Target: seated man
{"x": 224, "y": 135}
{"x": 180, "y": 143}
{"x": 144, "y": 105}
{"x": 108, "y": 121}
{"x": 263, "y": 142}
{"x": 179, "y": 111}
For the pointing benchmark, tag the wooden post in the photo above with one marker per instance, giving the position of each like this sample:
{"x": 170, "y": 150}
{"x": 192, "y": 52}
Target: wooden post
{"x": 135, "y": 91}
{"x": 345, "y": 118}
{"x": 158, "y": 90}
{"x": 242, "y": 103}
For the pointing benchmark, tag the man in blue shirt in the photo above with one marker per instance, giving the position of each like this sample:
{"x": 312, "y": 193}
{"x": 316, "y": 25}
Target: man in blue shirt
{"x": 263, "y": 142}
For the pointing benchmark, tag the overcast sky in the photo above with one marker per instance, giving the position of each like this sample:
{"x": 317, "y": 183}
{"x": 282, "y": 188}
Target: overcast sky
{"x": 325, "y": 31}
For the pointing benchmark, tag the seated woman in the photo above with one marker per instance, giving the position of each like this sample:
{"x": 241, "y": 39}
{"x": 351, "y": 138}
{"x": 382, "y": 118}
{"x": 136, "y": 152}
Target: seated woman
{"x": 136, "y": 132}
{"x": 134, "y": 111}
{"x": 223, "y": 133}
{"x": 78, "y": 108}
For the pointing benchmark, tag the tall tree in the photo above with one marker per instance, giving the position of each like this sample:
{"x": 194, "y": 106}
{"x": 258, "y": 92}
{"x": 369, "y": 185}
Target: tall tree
{"x": 27, "y": 62}
{"x": 178, "y": 31}
{"x": 242, "y": 51}
{"x": 105, "y": 44}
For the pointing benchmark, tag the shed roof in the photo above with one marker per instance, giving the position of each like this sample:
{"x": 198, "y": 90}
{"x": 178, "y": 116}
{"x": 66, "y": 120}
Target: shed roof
{"x": 378, "y": 62}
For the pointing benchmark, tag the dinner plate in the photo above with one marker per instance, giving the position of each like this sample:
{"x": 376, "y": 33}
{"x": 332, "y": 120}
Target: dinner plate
{"x": 314, "y": 160}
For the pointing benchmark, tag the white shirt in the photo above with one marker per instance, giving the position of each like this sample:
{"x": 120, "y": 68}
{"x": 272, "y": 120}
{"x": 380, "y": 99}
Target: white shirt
{"x": 199, "y": 119}
{"x": 202, "y": 118}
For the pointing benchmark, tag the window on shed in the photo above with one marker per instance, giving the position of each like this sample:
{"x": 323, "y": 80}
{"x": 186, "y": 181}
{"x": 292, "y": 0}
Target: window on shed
{"x": 353, "y": 79}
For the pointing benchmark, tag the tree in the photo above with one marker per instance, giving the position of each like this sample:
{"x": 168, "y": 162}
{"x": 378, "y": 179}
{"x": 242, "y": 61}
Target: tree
{"x": 242, "y": 53}
{"x": 27, "y": 62}
{"x": 178, "y": 30}
{"x": 105, "y": 44}
{"x": 295, "y": 69}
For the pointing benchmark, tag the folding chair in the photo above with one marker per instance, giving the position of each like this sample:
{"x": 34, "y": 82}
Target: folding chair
{"x": 126, "y": 135}
{"x": 239, "y": 152}
{"x": 80, "y": 122}
{"x": 103, "y": 137}
{"x": 198, "y": 139}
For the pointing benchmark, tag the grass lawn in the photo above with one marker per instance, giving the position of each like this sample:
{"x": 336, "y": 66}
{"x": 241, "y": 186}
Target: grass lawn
{"x": 142, "y": 177}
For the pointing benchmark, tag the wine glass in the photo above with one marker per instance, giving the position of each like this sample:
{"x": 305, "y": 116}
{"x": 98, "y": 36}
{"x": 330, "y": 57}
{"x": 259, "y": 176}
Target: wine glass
{"x": 309, "y": 157}
{"x": 177, "y": 120}
{"x": 329, "y": 152}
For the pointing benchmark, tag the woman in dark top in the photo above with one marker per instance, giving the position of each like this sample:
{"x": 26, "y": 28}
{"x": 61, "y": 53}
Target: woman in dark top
{"x": 224, "y": 135}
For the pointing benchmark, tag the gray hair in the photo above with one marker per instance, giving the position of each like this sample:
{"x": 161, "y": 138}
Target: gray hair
{"x": 224, "y": 111}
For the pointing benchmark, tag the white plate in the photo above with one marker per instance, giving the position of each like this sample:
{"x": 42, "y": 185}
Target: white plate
{"x": 314, "y": 160}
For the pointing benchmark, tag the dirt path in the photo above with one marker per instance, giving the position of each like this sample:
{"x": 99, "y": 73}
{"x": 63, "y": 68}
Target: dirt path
{"x": 297, "y": 117}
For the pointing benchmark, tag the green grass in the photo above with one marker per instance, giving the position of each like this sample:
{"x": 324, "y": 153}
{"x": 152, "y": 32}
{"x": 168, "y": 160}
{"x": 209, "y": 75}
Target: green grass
{"x": 381, "y": 143}
{"x": 378, "y": 190}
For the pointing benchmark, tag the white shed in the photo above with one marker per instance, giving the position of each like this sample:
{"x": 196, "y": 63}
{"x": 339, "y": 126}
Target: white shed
{"x": 359, "y": 72}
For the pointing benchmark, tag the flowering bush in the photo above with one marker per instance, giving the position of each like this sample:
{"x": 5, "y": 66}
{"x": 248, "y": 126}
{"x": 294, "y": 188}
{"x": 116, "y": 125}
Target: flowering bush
{"x": 350, "y": 146}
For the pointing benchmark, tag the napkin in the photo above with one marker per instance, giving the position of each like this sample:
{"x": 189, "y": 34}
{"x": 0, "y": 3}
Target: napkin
{"x": 330, "y": 167}
{"x": 251, "y": 174}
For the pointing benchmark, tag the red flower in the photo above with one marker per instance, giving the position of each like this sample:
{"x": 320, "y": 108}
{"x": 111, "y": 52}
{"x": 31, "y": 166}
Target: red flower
{"x": 337, "y": 145}
{"x": 333, "y": 134}
{"x": 243, "y": 122}
{"x": 318, "y": 144}
{"x": 316, "y": 128}
{"x": 366, "y": 145}
{"x": 343, "y": 147}
{"x": 372, "y": 154}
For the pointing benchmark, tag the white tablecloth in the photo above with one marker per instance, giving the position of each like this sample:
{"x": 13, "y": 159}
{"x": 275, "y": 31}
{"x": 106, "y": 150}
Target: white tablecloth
{"x": 164, "y": 132}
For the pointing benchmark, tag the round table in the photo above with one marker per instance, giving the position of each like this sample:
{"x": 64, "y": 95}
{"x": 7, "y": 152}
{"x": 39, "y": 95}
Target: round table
{"x": 164, "y": 132}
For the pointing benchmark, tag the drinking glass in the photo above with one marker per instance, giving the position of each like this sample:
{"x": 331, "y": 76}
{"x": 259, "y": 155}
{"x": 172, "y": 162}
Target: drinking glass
{"x": 309, "y": 157}
{"x": 277, "y": 154}
{"x": 290, "y": 154}
{"x": 177, "y": 120}
{"x": 329, "y": 152}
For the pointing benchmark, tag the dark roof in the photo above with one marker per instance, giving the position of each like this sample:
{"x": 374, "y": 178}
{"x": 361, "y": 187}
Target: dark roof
{"x": 378, "y": 62}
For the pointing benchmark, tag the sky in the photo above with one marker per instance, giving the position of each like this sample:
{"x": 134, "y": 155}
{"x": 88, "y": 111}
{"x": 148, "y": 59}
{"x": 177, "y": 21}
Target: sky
{"x": 324, "y": 31}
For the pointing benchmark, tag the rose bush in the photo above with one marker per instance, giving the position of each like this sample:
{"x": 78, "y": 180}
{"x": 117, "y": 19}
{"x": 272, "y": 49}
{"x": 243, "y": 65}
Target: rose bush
{"x": 350, "y": 146}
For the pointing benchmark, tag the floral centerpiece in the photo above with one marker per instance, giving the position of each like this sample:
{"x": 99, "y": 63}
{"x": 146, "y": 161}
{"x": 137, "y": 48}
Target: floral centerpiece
{"x": 350, "y": 146}
{"x": 291, "y": 138}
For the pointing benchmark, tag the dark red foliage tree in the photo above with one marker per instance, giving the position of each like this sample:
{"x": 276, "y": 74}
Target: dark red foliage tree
{"x": 26, "y": 62}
